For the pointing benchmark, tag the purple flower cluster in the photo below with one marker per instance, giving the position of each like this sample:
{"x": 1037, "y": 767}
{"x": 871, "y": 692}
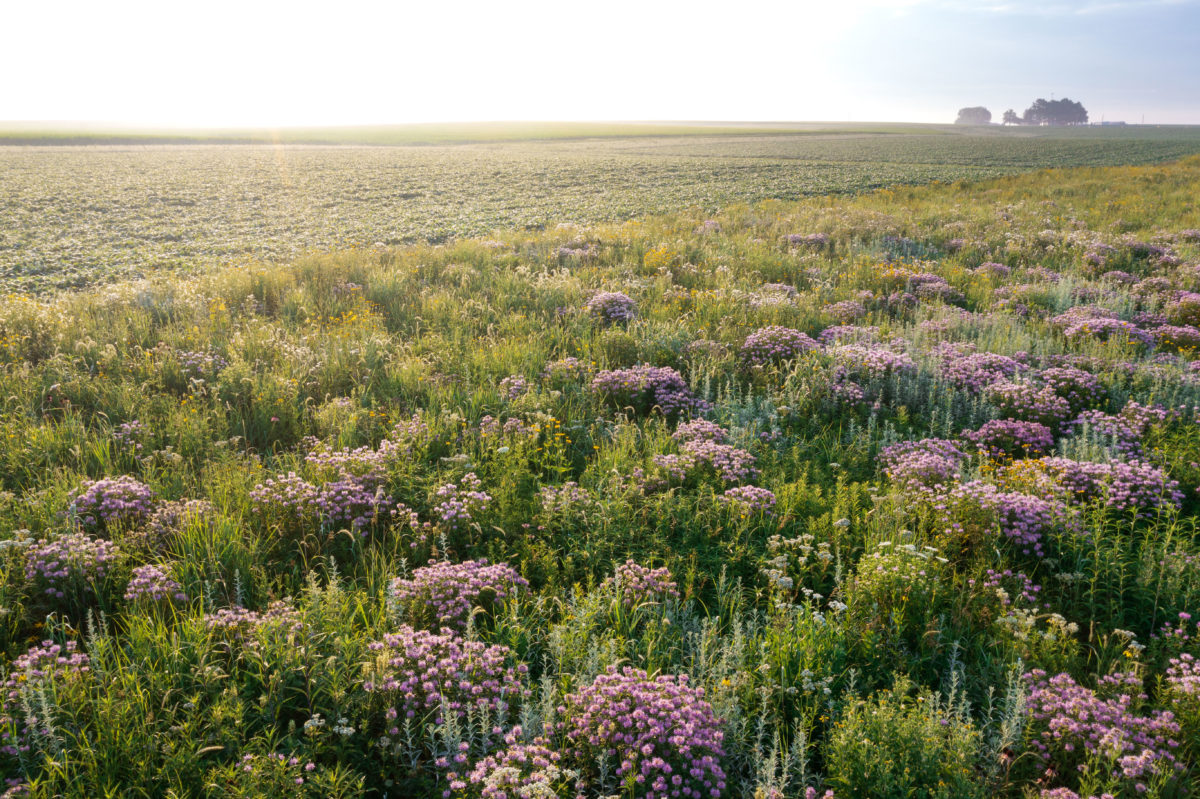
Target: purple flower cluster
{"x": 930, "y": 463}
{"x": 53, "y": 565}
{"x": 1071, "y": 721}
{"x": 750, "y": 499}
{"x": 1117, "y": 276}
{"x": 699, "y": 430}
{"x": 645, "y": 388}
{"x": 43, "y": 664}
{"x": 1122, "y": 486}
{"x": 461, "y": 502}
{"x": 1079, "y": 388}
{"x": 491, "y": 426}
{"x": 816, "y": 241}
{"x": 1009, "y": 438}
{"x": 847, "y": 391}
{"x": 289, "y": 494}
{"x": 420, "y": 674}
{"x": 1184, "y": 310}
{"x": 1080, "y": 314}
{"x": 731, "y": 464}
{"x": 129, "y": 435}
{"x": 1126, "y": 440}
{"x": 241, "y": 625}
{"x": 847, "y": 311}
{"x": 200, "y": 364}
{"x": 153, "y": 584}
{"x": 975, "y": 371}
{"x": 774, "y": 344}
{"x": 637, "y": 584}
{"x": 1177, "y": 337}
{"x": 1103, "y": 329}
{"x": 612, "y": 306}
{"x": 519, "y": 769}
{"x": 1022, "y": 518}
{"x": 563, "y": 499}
{"x": 112, "y": 502}
{"x": 869, "y": 361}
{"x": 351, "y": 501}
{"x": 938, "y": 289}
{"x": 993, "y": 269}
{"x": 513, "y": 386}
{"x": 448, "y": 591}
{"x": 1027, "y": 402}
{"x": 1183, "y": 675}
{"x": 1141, "y": 417}
{"x": 1013, "y": 588}
{"x": 666, "y": 736}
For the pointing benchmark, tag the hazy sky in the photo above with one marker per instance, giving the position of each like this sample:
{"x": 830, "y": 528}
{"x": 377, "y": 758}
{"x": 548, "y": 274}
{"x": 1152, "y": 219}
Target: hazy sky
{"x": 244, "y": 62}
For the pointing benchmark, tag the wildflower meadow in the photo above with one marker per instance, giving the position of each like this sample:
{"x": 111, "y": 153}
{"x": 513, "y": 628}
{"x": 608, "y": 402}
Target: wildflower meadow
{"x": 891, "y": 495}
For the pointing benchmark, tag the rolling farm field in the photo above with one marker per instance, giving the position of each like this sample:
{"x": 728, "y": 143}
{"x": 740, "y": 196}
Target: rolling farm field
{"x": 759, "y": 463}
{"x": 74, "y": 215}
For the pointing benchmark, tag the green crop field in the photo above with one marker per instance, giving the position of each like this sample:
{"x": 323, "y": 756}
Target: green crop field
{"x": 71, "y": 216}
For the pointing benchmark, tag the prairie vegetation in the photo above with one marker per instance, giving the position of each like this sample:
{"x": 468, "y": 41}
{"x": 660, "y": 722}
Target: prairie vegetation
{"x": 885, "y": 495}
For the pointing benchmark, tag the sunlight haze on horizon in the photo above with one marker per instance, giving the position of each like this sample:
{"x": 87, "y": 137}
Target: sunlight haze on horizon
{"x": 274, "y": 64}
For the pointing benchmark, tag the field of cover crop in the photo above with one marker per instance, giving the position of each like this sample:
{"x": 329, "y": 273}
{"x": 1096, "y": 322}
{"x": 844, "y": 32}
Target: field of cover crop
{"x": 881, "y": 496}
{"x": 73, "y": 216}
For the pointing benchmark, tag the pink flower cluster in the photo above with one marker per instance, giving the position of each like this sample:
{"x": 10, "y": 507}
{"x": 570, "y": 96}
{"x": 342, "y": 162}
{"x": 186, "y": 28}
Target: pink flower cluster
{"x": 816, "y": 241}
{"x": 1009, "y": 438}
{"x": 974, "y": 371}
{"x": 1079, "y": 388}
{"x": 422, "y": 674}
{"x": 869, "y": 361}
{"x": 699, "y": 430}
{"x": 1122, "y": 486}
{"x": 449, "y": 591}
{"x": 239, "y": 624}
{"x": 513, "y": 386}
{"x": 519, "y": 769}
{"x": 612, "y": 306}
{"x": 637, "y": 584}
{"x": 1183, "y": 675}
{"x": 1027, "y": 402}
{"x": 1071, "y": 721}
{"x": 46, "y": 663}
{"x": 52, "y": 565}
{"x": 666, "y": 736}
{"x": 461, "y": 501}
{"x": 750, "y": 499}
{"x": 930, "y": 463}
{"x": 1023, "y": 518}
{"x": 774, "y": 344}
{"x": 563, "y": 498}
{"x": 646, "y": 388}
{"x": 153, "y": 584}
{"x": 351, "y": 501}
{"x": 731, "y": 464}
{"x": 112, "y": 502}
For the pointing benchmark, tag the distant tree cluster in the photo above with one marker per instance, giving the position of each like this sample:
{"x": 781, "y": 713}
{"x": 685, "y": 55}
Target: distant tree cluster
{"x": 975, "y": 115}
{"x": 1042, "y": 112}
